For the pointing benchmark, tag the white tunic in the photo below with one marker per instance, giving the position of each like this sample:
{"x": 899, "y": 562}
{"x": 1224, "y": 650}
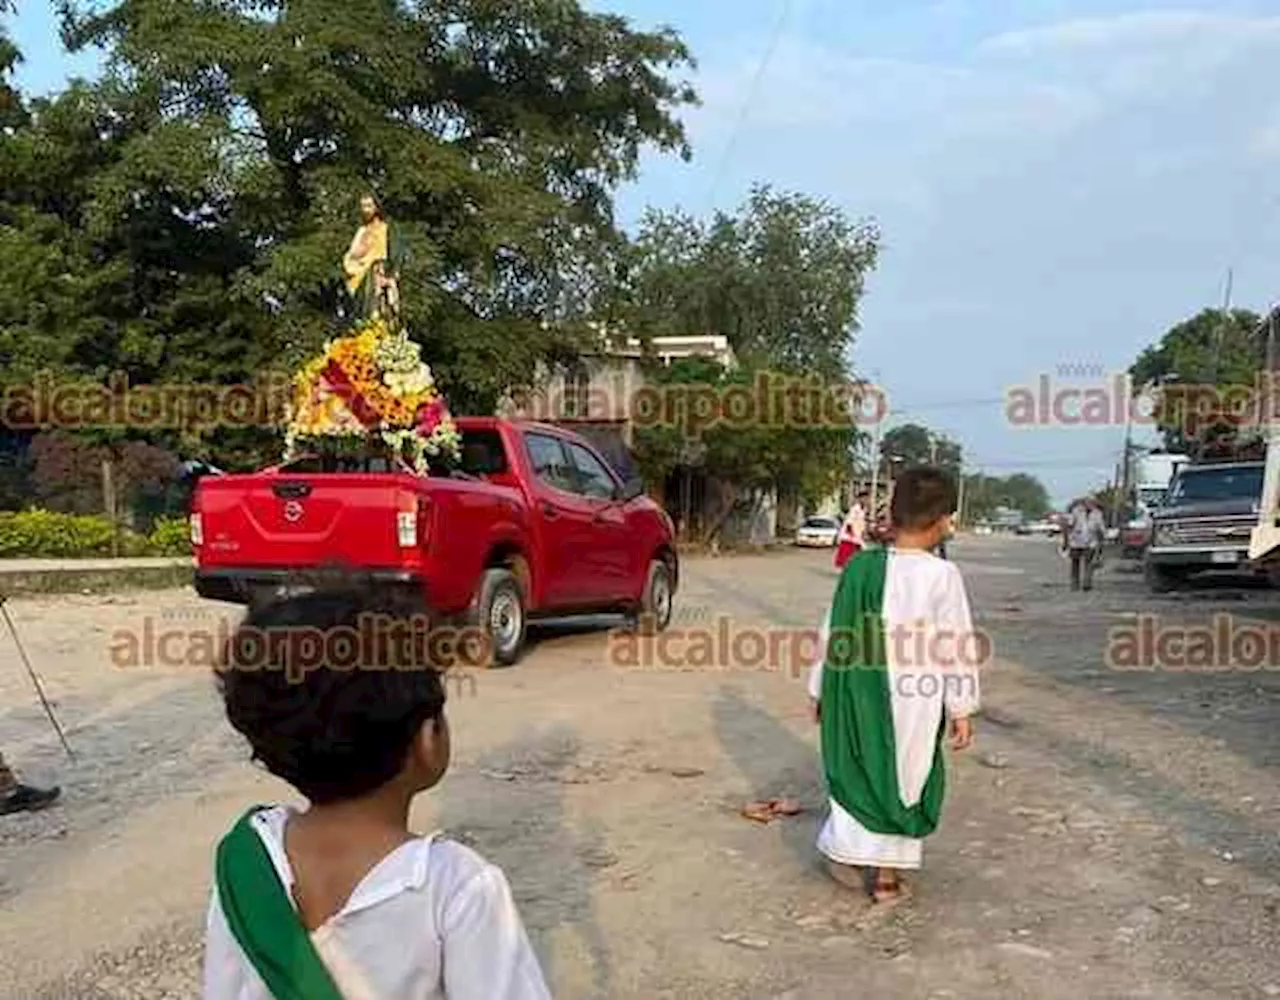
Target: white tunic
{"x": 854, "y": 528}
{"x": 933, "y": 656}
{"x": 432, "y": 920}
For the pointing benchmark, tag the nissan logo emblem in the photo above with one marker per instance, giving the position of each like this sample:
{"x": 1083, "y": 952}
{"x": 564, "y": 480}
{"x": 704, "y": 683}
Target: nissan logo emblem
{"x": 293, "y": 511}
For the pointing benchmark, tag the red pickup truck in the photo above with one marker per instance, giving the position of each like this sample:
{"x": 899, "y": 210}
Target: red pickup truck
{"x": 533, "y": 524}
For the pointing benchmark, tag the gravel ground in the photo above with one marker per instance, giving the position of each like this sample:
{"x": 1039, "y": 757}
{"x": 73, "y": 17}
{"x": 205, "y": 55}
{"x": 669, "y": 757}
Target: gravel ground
{"x": 1113, "y": 834}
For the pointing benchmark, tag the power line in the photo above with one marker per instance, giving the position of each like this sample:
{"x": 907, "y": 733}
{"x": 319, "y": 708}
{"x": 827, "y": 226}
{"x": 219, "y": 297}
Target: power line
{"x": 978, "y": 465}
{"x": 954, "y": 404}
{"x": 784, "y": 16}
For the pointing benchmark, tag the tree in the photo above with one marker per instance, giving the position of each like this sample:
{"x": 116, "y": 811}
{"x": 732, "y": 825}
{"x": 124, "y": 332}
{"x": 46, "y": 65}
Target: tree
{"x": 11, "y": 109}
{"x": 145, "y": 291}
{"x": 493, "y": 131}
{"x": 781, "y": 279}
{"x": 914, "y": 444}
{"x": 1022, "y": 492}
{"x": 746, "y": 458}
{"x": 1198, "y": 359}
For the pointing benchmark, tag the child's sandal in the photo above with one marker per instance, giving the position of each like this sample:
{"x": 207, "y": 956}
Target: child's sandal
{"x": 888, "y": 892}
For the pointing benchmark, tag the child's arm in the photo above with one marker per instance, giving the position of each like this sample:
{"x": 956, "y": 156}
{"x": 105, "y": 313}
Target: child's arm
{"x": 960, "y": 681}
{"x": 487, "y": 955}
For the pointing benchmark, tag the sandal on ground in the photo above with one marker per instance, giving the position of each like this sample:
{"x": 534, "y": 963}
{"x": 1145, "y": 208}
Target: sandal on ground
{"x": 768, "y": 810}
{"x": 888, "y": 892}
{"x": 24, "y": 798}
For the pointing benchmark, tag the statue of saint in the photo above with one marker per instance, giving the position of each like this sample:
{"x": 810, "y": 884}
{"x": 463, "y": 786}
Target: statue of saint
{"x": 371, "y": 265}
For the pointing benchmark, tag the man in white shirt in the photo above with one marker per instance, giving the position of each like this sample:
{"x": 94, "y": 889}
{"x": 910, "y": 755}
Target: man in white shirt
{"x": 1083, "y": 538}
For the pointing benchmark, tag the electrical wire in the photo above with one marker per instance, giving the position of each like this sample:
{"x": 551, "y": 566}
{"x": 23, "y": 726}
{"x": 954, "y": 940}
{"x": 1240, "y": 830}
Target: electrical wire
{"x": 784, "y": 16}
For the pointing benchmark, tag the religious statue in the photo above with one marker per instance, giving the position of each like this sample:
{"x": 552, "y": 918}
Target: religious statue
{"x": 371, "y": 265}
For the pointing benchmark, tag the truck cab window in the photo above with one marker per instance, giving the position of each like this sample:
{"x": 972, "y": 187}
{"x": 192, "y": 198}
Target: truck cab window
{"x": 550, "y": 463}
{"x": 483, "y": 453}
{"x": 593, "y": 478}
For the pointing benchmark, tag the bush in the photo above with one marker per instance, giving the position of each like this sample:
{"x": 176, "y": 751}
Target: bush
{"x": 170, "y": 536}
{"x": 43, "y": 534}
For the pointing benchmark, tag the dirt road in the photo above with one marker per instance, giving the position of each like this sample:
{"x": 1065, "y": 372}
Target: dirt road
{"x": 1113, "y": 834}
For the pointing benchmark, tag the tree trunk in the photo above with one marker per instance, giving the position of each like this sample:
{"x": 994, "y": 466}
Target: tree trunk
{"x": 729, "y": 500}
{"x": 110, "y": 503}
{"x": 788, "y": 512}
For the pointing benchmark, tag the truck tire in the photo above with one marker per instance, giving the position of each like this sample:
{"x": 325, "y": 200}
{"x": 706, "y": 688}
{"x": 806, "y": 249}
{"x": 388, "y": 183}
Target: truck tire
{"x": 499, "y": 612}
{"x": 657, "y": 601}
{"x": 1162, "y": 579}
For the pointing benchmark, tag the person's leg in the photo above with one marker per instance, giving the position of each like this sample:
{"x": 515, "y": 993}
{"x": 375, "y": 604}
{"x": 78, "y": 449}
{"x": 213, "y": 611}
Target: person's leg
{"x": 849, "y": 876}
{"x": 8, "y": 782}
{"x": 1090, "y": 560}
{"x": 1075, "y": 569}
{"x": 887, "y": 886}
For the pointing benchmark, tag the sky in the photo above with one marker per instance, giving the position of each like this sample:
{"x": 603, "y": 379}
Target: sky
{"x": 1057, "y": 182}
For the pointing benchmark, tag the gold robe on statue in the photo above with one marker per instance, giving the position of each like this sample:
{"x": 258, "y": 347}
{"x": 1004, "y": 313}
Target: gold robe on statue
{"x": 368, "y": 248}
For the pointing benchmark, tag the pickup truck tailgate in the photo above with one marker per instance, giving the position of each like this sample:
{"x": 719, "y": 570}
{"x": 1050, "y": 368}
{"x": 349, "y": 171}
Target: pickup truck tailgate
{"x": 306, "y": 520}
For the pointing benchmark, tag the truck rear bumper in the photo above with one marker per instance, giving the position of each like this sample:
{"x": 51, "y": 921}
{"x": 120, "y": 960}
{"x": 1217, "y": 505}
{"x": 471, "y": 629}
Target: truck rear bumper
{"x": 243, "y": 585}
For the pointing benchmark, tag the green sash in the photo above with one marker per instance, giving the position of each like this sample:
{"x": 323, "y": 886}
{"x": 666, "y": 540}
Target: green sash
{"x": 263, "y": 921}
{"x": 858, "y": 749}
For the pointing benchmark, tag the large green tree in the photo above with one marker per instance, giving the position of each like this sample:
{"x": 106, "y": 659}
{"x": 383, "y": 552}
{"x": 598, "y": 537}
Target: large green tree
{"x": 913, "y": 444}
{"x": 744, "y": 457}
{"x": 1023, "y": 492}
{"x": 1197, "y": 366}
{"x": 781, "y": 279}
{"x": 493, "y": 132}
{"x": 10, "y": 100}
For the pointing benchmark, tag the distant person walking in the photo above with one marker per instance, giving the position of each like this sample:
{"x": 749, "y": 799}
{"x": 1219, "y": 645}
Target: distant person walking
{"x": 1082, "y": 539}
{"x": 853, "y": 532}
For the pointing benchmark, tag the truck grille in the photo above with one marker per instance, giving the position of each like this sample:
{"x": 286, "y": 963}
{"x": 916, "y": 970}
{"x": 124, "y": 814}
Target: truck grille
{"x": 1218, "y": 531}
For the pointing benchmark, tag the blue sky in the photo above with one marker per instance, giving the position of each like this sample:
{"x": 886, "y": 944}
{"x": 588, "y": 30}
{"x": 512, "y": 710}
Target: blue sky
{"x": 1058, "y": 182}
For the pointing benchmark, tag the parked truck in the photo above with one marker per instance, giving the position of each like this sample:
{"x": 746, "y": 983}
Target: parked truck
{"x": 534, "y": 524}
{"x": 1205, "y": 523}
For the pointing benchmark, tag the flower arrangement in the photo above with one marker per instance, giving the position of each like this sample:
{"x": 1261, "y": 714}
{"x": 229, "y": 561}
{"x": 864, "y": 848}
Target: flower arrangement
{"x": 371, "y": 384}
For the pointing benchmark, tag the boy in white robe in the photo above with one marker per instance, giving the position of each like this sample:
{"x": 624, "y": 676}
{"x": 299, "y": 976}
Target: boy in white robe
{"x": 340, "y": 901}
{"x": 904, "y": 669}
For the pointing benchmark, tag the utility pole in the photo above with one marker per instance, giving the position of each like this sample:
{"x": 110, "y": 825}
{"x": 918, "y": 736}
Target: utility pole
{"x": 875, "y": 454}
{"x": 875, "y": 474}
{"x": 960, "y": 494}
{"x": 1222, "y": 326}
{"x": 1126, "y": 481}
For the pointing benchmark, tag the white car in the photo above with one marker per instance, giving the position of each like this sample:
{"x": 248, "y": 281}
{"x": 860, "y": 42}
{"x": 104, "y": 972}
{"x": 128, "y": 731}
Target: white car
{"x": 818, "y": 532}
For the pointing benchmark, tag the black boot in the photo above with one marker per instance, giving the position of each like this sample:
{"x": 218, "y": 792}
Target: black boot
{"x": 24, "y": 798}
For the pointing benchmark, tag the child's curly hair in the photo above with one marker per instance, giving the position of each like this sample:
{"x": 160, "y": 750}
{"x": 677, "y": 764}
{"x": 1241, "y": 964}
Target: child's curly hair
{"x": 333, "y": 732}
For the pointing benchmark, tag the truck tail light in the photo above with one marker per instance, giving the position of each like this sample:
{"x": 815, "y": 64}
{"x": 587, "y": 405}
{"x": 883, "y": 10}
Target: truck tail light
{"x": 411, "y": 522}
{"x": 197, "y": 529}
{"x": 407, "y": 528}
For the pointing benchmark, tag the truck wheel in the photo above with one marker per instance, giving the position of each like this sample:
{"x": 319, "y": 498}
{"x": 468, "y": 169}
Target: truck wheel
{"x": 1162, "y": 579}
{"x": 657, "y": 602}
{"x": 499, "y": 612}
